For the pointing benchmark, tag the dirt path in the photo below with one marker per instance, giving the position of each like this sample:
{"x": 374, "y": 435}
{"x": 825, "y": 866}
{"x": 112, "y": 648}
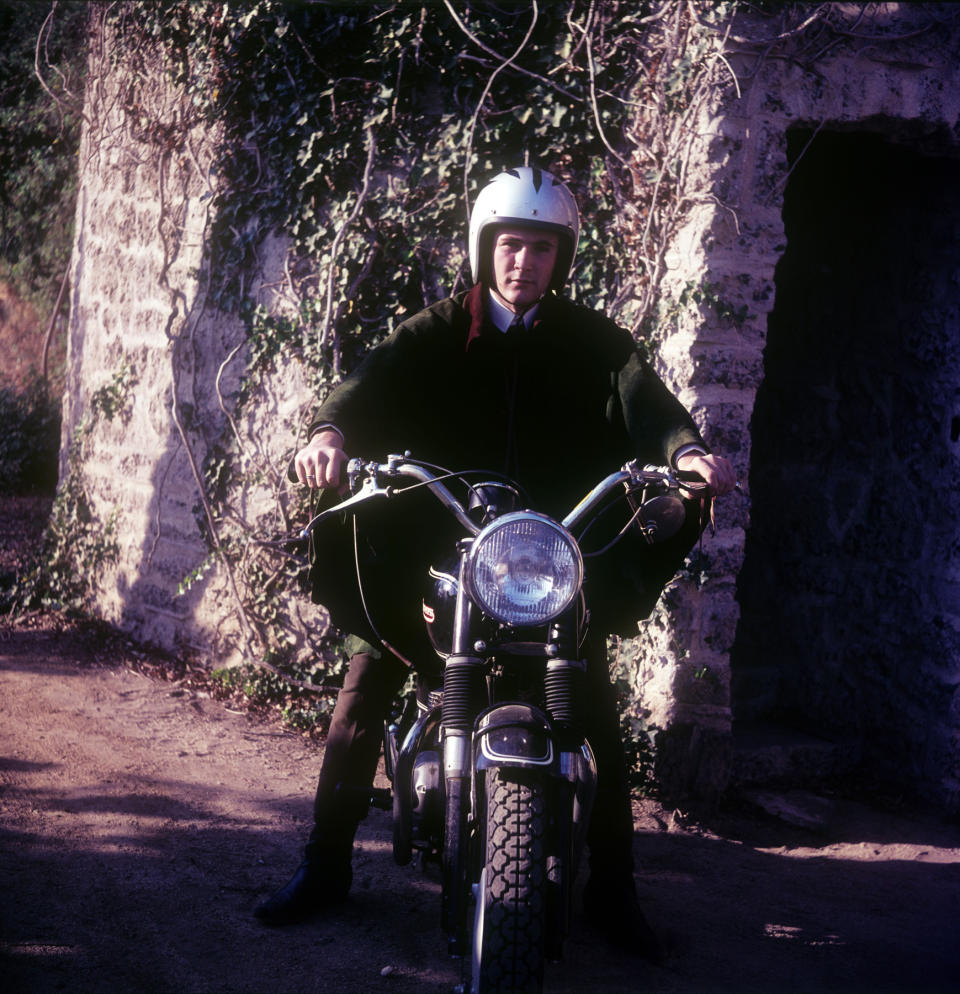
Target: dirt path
{"x": 141, "y": 821}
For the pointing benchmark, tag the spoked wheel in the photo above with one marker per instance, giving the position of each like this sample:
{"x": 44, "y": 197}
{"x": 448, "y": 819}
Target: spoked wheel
{"x": 508, "y": 936}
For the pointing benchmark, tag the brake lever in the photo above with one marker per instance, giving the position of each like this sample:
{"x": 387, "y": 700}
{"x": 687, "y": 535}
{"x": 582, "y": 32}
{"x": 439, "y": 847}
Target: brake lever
{"x": 368, "y": 490}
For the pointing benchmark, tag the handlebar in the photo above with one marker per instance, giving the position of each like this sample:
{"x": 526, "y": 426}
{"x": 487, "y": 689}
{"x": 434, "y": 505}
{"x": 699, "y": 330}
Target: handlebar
{"x": 368, "y": 480}
{"x": 636, "y": 475}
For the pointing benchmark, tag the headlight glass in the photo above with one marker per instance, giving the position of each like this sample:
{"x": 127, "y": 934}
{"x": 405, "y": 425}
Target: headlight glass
{"x": 524, "y": 569}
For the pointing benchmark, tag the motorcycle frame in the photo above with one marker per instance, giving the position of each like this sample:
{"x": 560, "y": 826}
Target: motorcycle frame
{"x": 458, "y": 723}
{"x": 461, "y": 729}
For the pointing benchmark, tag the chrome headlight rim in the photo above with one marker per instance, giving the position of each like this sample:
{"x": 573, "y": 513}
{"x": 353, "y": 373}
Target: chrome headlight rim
{"x": 511, "y": 520}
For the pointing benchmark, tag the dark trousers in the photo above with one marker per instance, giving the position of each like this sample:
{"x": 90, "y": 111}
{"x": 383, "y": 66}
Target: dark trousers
{"x": 356, "y": 733}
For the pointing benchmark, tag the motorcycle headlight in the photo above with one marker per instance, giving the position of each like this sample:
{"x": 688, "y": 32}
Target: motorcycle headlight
{"x": 524, "y": 569}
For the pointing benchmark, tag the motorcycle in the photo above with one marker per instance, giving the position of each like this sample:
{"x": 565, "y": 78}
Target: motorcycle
{"x": 490, "y": 769}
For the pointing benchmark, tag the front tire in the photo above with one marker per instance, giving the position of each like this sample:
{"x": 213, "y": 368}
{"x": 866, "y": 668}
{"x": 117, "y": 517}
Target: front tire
{"x": 510, "y": 918}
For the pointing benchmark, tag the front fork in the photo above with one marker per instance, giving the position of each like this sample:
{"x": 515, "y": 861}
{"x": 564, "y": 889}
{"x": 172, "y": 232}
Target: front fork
{"x": 573, "y": 777}
{"x": 575, "y": 786}
{"x": 464, "y": 696}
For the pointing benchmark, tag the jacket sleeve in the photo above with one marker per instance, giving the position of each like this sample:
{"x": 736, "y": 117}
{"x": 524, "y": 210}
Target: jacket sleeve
{"x": 365, "y": 399}
{"x": 381, "y": 405}
{"x": 653, "y": 417}
{"x": 370, "y": 394}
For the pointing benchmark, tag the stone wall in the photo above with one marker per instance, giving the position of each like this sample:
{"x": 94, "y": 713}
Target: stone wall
{"x": 141, "y": 315}
{"x": 831, "y": 605}
{"x": 762, "y": 631}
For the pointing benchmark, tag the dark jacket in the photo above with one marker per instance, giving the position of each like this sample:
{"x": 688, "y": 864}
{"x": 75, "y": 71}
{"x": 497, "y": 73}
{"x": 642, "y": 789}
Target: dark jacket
{"x": 575, "y": 394}
{"x": 558, "y": 409}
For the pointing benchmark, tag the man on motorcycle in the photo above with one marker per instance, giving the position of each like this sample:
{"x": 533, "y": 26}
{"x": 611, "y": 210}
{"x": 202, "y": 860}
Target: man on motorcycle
{"x": 507, "y": 376}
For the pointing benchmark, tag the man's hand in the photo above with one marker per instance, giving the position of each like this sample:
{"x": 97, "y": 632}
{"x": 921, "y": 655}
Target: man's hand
{"x": 717, "y": 471}
{"x": 320, "y": 463}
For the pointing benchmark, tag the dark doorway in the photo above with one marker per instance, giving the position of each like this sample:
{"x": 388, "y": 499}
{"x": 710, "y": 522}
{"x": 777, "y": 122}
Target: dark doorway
{"x": 850, "y": 589}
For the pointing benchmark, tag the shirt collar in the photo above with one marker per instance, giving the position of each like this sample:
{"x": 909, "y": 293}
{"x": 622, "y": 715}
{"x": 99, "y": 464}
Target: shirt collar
{"x": 479, "y": 304}
{"x": 502, "y": 317}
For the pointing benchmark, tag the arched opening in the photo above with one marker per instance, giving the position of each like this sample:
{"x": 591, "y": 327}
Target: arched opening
{"x": 850, "y": 588}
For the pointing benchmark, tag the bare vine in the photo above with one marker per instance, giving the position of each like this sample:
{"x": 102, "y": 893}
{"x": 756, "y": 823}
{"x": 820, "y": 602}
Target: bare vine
{"x": 471, "y": 131}
{"x": 335, "y": 248}
{"x": 65, "y": 99}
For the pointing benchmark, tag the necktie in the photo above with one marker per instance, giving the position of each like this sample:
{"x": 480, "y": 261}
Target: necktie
{"x": 516, "y": 329}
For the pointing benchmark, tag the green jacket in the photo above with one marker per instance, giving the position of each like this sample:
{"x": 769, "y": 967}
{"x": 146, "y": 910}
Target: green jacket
{"x": 567, "y": 406}
{"x": 557, "y": 410}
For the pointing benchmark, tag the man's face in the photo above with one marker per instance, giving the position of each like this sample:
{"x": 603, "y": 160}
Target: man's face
{"x": 523, "y": 261}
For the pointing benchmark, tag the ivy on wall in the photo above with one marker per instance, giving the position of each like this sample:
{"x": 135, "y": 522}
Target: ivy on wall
{"x": 77, "y": 544}
{"x": 361, "y": 133}
{"x": 364, "y": 130}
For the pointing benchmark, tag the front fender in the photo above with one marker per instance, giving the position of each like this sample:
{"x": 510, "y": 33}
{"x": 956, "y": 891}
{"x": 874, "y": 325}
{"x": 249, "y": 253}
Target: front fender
{"x": 515, "y": 735}
{"x": 521, "y": 737}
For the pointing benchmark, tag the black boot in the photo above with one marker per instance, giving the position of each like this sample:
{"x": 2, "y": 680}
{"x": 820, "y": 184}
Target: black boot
{"x": 322, "y": 880}
{"x": 343, "y": 790}
{"x": 610, "y": 903}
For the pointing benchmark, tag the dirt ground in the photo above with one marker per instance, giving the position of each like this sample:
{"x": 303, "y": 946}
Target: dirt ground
{"x": 141, "y": 820}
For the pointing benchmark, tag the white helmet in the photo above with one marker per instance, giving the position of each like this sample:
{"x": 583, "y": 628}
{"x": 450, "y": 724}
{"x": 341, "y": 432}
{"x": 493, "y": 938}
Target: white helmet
{"x": 529, "y": 197}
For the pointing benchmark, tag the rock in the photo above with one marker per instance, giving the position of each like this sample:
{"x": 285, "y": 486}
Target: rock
{"x": 795, "y": 807}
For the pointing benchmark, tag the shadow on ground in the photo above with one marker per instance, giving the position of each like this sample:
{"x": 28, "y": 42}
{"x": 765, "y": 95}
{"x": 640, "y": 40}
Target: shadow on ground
{"x": 141, "y": 823}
